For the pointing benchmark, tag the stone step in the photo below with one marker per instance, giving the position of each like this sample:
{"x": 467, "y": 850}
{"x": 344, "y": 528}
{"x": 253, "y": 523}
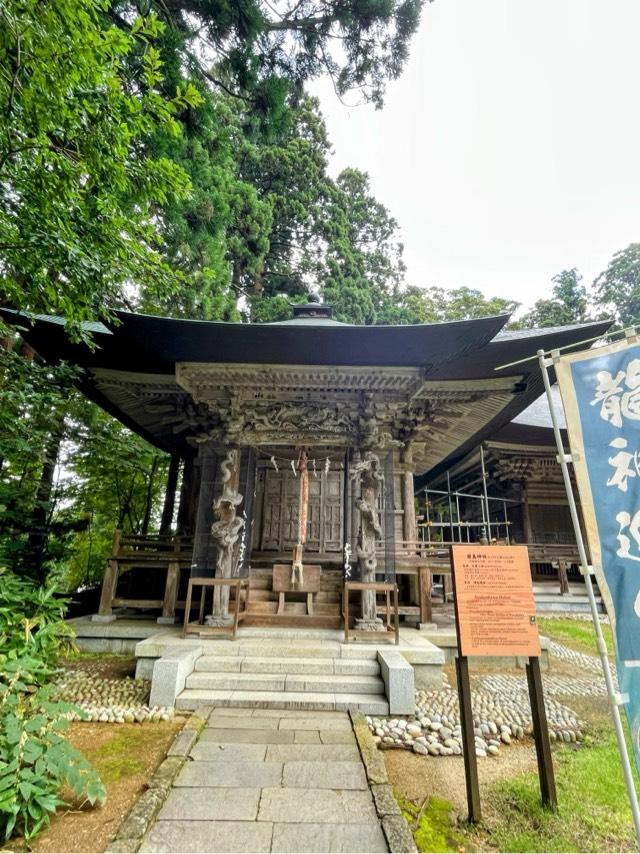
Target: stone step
{"x": 279, "y": 682}
{"x": 369, "y": 704}
{"x": 241, "y": 664}
{"x": 296, "y": 648}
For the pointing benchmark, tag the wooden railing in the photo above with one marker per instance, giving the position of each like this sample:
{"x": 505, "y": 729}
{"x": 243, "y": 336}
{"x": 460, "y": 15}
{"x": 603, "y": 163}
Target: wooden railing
{"x": 170, "y": 553}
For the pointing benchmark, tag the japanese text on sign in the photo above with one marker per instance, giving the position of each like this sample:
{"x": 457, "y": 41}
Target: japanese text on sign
{"x": 495, "y": 608}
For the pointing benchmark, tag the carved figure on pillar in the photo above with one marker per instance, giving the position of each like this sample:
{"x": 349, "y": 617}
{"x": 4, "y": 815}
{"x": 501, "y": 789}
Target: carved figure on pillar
{"x": 225, "y": 532}
{"x": 368, "y": 475}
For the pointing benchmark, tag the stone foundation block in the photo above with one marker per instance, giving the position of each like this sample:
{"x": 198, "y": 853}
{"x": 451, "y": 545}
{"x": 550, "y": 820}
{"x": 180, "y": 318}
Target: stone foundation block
{"x": 399, "y": 682}
{"x": 170, "y": 674}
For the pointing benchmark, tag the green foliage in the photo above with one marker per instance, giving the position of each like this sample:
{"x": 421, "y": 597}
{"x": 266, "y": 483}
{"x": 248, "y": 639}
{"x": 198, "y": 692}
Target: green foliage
{"x": 35, "y": 758}
{"x": 434, "y": 305}
{"x": 260, "y": 52}
{"x": 78, "y": 190}
{"x": 568, "y": 304}
{"x": 617, "y": 289}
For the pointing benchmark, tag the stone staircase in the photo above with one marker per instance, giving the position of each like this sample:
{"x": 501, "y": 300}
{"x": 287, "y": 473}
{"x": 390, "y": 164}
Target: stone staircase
{"x": 282, "y": 673}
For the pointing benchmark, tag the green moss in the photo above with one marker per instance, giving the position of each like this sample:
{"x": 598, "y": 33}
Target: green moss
{"x": 431, "y": 824}
{"x": 124, "y": 754}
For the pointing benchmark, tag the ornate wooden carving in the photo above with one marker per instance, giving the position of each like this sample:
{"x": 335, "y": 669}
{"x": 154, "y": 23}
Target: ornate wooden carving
{"x": 367, "y": 473}
{"x": 225, "y": 532}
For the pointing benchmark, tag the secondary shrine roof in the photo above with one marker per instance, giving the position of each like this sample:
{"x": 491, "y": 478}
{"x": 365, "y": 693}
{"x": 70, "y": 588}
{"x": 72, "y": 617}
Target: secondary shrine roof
{"x": 177, "y": 381}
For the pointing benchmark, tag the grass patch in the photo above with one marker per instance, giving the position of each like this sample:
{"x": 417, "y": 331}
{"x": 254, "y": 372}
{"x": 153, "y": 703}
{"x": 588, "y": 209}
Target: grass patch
{"x": 593, "y": 809}
{"x": 431, "y": 824}
{"x": 577, "y": 634}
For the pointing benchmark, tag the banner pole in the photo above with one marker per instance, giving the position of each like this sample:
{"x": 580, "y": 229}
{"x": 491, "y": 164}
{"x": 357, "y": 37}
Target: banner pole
{"x": 615, "y": 698}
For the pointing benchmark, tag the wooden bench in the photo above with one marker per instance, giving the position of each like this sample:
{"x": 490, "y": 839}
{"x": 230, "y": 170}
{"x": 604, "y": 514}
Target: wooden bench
{"x": 282, "y": 583}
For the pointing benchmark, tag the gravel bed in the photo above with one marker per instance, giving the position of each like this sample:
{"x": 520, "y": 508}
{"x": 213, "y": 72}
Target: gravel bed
{"x": 501, "y": 707}
{"x": 583, "y": 660}
{"x": 110, "y": 700}
{"x": 501, "y": 717}
{"x": 554, "y": 686}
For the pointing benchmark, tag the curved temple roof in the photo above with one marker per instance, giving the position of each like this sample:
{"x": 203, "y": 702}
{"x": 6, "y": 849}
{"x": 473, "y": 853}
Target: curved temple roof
{"x": 161, "y": 376}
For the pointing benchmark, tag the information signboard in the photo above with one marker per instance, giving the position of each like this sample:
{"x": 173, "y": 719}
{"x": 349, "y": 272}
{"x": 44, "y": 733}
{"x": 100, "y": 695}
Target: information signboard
{"x": 496, "y": 616}
{"x": 495, "y": 608}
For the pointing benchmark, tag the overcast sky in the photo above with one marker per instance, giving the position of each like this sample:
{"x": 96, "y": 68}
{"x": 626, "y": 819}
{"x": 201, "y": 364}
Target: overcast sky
{"x": 510, "y": 147}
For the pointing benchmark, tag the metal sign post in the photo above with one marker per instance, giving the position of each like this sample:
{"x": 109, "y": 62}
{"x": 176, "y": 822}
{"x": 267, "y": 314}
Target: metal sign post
{"x": 615, "y": 698}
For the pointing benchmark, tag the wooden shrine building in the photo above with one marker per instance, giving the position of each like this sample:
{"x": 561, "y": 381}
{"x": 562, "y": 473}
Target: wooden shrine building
{"x": 508, "y": 488}
{"x": 299, "y": 442}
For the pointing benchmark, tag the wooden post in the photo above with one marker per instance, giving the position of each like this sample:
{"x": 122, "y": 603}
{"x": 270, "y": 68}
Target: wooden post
{"x": 526, "y": 517}
{"x": 541, "y": 735}
{"x": 110, "y": 580}
{"x": 170, "y": 593}
{"x": 468, "y": 739}
{"x": 426, "y": 610}
{"x": 562, "y": 577}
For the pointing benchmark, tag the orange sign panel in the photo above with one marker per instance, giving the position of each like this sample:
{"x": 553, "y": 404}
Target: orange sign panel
{"x": 495, "y": 608}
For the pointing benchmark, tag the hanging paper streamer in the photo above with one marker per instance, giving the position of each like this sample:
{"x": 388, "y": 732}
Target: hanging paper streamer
{"x": 315, "y": 472}
{"x": 274, "y": 463}
{"x": 347, "y": 560}
{"x": 327, "y": 465}
{"x": 293, "y": 469}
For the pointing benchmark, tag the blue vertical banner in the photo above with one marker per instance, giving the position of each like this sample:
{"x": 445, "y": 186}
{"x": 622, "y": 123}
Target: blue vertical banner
{"x": 601, "y": 398}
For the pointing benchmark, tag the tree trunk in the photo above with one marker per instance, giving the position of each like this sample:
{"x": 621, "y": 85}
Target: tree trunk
{"x": 149, "y": 497}
{"x": 40, "y": 522}
{"x": 170, "y": 495}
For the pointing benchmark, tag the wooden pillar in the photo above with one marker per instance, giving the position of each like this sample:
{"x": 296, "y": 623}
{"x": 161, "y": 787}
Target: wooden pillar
{"x": 526, "y": 517}
{"x": 170, "y": 594}
{"x": 426, "y": 611}
{"x": 204, "y": 551}
{"x": 562, "y": 577}
{"x": 109, "y": 584}
{"x": 170, "y": 495}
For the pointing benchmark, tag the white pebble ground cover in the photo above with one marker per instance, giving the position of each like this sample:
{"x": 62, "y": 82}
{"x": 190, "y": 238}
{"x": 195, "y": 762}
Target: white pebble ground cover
{"x": 501, "y": 709}
{"x": 104, "y": 700}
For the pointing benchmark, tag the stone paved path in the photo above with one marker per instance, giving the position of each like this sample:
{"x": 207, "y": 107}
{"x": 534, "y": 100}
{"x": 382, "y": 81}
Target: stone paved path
{"x": 270, "y": 780}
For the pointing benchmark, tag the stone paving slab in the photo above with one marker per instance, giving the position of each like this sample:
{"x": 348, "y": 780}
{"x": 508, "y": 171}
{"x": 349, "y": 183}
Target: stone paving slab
{"x": 324, "y": 806}
{"x": 310, "y": 722}
{"x": 325, "y": 775}
{"x": 207, "y": 837}
{"x": 250, "y": 736}
{"x": 290, "y": 838}
{"x": 306, "y": 736}
{"x": 230, "y": 774}
{"x": 291, "y": 713}
{"x": 224, "y": 721}
{"x": 232, "y": 804}
{"x": 215, "y": 751}
{"x": 334, "y": 736}
{"x": 268, "y": 780}
{"x": 312, "y": 752}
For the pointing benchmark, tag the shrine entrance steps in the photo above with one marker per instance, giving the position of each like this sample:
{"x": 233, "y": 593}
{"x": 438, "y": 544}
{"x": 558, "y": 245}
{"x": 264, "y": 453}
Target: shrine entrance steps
{"x": 283, "y": 673}
{"x": 263, "y": 602}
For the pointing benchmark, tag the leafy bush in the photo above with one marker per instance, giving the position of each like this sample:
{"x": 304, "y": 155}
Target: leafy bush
{"x": 35, "y": 758}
